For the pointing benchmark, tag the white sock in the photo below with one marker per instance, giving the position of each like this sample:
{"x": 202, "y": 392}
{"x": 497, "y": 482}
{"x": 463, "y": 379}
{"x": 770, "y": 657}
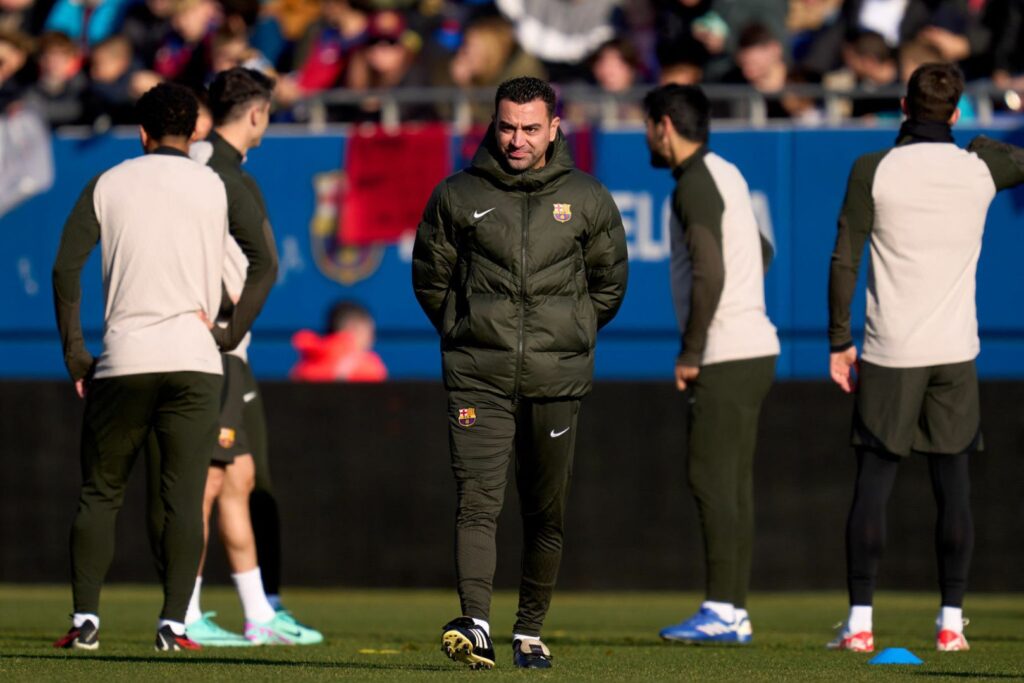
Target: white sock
{"x": 725, "y": 610}
{"x": 859, "y": 619}
{"x": 523, "y": 636}
{"x": 79, "y": 618}
{"x": 254, "y": 600}
{"x": 176, "y": 626}
{"x": 194, "y": 613}
{"x": 482, "y": 624}
{"x": 951, "y": 618}
{"x": 741, "y": 614}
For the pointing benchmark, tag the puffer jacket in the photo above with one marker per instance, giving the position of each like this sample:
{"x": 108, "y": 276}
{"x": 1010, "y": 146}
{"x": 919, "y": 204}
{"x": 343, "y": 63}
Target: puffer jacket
{"x": 518, "y": 272}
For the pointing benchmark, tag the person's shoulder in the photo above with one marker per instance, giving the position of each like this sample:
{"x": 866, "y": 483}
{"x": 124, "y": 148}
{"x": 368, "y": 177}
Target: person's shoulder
{"x": 582, "y": 182}
{"x": 866, "y": 164}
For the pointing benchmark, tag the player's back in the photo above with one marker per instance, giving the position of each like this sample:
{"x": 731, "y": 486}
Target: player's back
{"x": 930, "y": 202}
{"x": 163, "y": 224}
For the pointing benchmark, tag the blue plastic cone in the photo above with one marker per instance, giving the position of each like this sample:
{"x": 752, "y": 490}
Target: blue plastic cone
{"x": 896, "y": 655}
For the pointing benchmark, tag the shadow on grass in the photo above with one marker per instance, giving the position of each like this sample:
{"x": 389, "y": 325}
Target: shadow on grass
{"x": 173, "y": 660}
{"x": 966, "y": 674}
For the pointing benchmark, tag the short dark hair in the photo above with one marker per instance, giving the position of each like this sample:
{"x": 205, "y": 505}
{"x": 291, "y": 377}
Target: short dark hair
{"x": 871, "y": 44}
{"x": 167, "y": 110}
{"x": 526, "y": 89}
{"x": 344, "y": 312}
{"x": 686, "y": 106}
{"x": 755, "y": 34}
{"x": 933, "y": 92}
{"x": 234, "y": 90}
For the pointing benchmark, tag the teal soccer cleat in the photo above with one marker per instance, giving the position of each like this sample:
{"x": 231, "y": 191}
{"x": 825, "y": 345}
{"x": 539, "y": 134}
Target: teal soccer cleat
{"x": 208, "y": 634}
{"x": 283, "y": 629}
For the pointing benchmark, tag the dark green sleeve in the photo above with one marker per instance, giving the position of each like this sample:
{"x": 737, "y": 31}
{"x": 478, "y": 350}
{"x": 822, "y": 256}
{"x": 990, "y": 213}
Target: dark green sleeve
{"x": 1005, "y": 161}
{"x": 855, "y": 222}
{"x": 699, "y": 206}
{"x": 249, "y": 226}
{"x": 434, "y": 255}
{"x": 81, "y": 233}
{"x": 605, "y": 258}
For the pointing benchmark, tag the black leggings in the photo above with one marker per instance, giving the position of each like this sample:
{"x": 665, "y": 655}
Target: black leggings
{"x": 865, "y": 528}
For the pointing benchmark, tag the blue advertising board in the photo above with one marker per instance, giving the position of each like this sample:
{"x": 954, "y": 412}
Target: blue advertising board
{"x": 797, "y": 178}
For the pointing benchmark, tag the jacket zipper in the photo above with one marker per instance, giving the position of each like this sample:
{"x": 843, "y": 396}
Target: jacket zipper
{"x": 522, "y": 296}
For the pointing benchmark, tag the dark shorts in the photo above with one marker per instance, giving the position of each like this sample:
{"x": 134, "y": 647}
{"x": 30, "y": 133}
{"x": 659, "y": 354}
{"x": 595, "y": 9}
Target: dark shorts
{"x": 239, "y": 389}
{"x": 928, "y": 410}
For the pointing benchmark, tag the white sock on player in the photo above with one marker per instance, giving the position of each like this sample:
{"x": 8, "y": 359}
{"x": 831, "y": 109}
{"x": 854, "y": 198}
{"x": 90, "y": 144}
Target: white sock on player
{"x": 194, "y": 613}
{"x": 254, "y": 601}
{"x": 725, "y": 610}
{"x": 482, "y": 624}
{"x": 177, "y": 627}
{"x": 859, "y": 619}
{"x": 951, "y": 618}
{"x": 79, "y": 618}
{"x": 523, "y": 636}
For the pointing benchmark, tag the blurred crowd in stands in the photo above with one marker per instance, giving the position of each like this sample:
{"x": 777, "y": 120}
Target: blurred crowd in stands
{"x": 84, "y": 62}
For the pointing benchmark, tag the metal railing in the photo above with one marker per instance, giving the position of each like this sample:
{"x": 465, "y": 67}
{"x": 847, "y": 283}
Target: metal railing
{"x": 742, "y": 103}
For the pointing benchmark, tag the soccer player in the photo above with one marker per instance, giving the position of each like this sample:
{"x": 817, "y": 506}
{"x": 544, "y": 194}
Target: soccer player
{"x": 921, "y": 206}
{"x": 239, "y": 101}
{"x": 729, "y": 348}
{"x": 162, "y": 221}
{"x": 518, "y": 261}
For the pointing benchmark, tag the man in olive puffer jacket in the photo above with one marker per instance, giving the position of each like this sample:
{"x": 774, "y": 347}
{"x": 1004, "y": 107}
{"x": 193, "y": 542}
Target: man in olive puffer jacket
{"x": 518, "y": 261}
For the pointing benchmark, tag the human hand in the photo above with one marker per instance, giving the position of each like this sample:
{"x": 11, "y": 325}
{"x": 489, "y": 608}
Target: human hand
{"x": 80, "y": 388}
{"x": 684, "y": 374}
{"x": 953, "y": 46}
{"x": 844, "y": 369}
{"x": 206, "y": 321}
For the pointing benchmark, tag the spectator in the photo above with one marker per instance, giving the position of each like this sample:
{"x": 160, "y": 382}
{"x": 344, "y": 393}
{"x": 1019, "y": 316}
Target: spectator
{"x": 801, "y": 108}
{"x": 761, "y": 63}
{"x": 389, "y": 60}
{"x": 59, "y": 92}
{"x": 872, "y": 67}
{"x": 110, "y": 97}
{"x": 185, "y": 55}
{"x": 344, "y": 354}
{"x": 682, "y": 63}
{"x": 490, "y": 55}
{"x": 15, "y": 71}
{"x": 898, "y": 21}
{"x": 562, "y": 34}
{"x": 325, "y": 52}
{"x": 87, "y": 22}
{"x": 615, "y": 67}
{"x": 26, "y": 16}
{"x": 147, "y": 26}
{"x": 230, "y": 48}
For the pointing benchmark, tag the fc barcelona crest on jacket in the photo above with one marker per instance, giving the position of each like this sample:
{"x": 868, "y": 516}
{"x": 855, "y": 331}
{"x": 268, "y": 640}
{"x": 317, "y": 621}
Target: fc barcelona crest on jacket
{"x": 467, "y": 417}
{"x": 562, "y": 212}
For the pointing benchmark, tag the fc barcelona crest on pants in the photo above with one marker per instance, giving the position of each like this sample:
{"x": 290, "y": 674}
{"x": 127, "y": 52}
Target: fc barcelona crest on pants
{"x": 467, "y": 417}
{"x": 562, "y": 212}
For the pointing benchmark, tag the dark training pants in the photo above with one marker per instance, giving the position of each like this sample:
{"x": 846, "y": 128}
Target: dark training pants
{"x": 865, "y": 527}
{"x": 724, "y": 408}
{"x": 484, "y": 432}
{"x": 180, "y": 410}
{"x": 239, "y": 382}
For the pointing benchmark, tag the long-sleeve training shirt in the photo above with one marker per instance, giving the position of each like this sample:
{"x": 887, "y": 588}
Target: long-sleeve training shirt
{"x": 162, "y": 221}
{"x": 922, "y": 207}
{"x": 717, "y": 265}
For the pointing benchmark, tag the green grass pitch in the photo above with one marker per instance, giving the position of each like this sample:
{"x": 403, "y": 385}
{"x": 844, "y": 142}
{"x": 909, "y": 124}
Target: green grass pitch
{"x": 395, "y": 635}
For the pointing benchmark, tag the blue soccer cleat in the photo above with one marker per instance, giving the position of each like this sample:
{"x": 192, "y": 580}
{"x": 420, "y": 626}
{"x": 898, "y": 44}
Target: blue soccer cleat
{"x": 703, "y": 627}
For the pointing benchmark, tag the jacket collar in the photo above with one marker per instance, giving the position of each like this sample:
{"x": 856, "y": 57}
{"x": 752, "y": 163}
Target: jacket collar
{"x": 222, "y": 149}
{"x": 690, "y": 161}
{"x": 488, "y": 161}
{"x": 918, "y": 131}
{"x": 169, "y": 151}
